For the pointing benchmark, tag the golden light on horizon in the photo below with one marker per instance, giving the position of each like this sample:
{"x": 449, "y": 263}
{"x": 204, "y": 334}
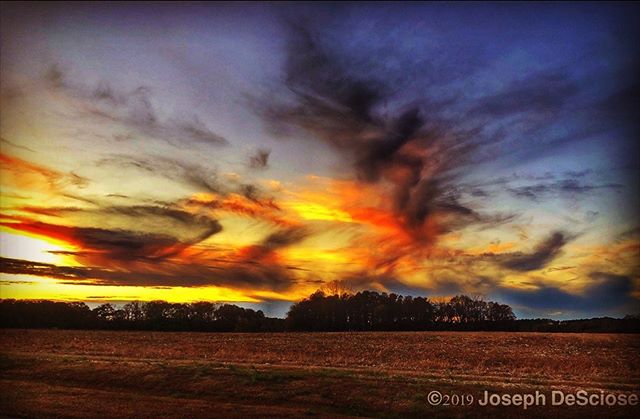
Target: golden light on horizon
{"x": 34, "y": 248}
{"x": 37, "y": 287}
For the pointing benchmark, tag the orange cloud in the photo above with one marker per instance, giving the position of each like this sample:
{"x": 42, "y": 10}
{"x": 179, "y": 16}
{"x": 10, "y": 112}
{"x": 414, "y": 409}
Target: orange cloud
{"x": 22, "y": 174}
{"x": 237, "y": 204}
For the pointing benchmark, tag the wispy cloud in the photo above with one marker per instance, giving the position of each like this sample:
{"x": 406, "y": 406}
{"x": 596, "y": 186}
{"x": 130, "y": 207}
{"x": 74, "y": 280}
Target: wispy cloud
{"x": 566, "y": 187}
{"x": 28, "y": 176}
{"x": 198, "y": 177}
{"x": 540, "y": 94}
{"x": 132, "y": 109}
{"x": 165, "y": 274}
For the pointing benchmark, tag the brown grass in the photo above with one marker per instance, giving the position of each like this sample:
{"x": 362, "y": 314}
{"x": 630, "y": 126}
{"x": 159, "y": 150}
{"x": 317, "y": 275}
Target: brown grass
{"x": 48, "y": 372}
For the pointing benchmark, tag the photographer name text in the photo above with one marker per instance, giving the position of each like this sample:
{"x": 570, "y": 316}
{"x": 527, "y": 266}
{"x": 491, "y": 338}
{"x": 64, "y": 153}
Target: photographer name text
{"x": 537, "y": 398}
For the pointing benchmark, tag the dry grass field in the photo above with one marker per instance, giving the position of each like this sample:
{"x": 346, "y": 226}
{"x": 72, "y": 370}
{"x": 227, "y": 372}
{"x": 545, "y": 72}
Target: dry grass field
{"x": 53, "y": 373}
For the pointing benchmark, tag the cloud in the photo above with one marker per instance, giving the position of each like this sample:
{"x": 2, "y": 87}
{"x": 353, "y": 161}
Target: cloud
{"x": 198, "y": 131}
{"x": 144, "y": 234}
{"x": 132, "y": 109}
{"x": 260, "y": 159}
{"x": 543, "y": 254}
{"x": 193, "y": 175}
{"x": 274, "y": 242}
{"x": 608, "y": 292}
{"x": 409, "y": 147}
{"x": 15, "y": 145}
{"x": 222, "y": 191}
{"x": 152, "y": 245}
{"x": 159, "y": 274}
{"x": 631, "y": 233}
{"x": 543, "y": 93}
{"x": 285, "y": 237}
{"x": 542, "y": 186}
{"x": 622, "y": 105}
{"x": 447, "y": 283}
{"x": 568, "y": 187}
{"x": 258, "y": 208}
{"x": 382, "y": 283}
{"x": 213, "y": 192}
{"x": 25, "y": 175}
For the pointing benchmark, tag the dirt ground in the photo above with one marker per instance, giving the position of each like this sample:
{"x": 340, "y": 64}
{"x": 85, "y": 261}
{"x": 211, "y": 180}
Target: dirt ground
{"x": 57, "y": 373}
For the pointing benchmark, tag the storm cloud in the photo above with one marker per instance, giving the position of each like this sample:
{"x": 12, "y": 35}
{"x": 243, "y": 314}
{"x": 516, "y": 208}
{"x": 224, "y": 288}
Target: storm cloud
{"x": 410, "y": 146}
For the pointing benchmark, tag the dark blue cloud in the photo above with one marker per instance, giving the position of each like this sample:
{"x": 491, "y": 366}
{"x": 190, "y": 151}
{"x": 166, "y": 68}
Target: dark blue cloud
{"x": 610, "y": 295}
{"x": 545, "y": 252}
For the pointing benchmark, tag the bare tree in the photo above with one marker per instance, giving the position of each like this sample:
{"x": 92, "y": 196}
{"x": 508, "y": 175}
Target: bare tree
{"x": 336, "y": 287}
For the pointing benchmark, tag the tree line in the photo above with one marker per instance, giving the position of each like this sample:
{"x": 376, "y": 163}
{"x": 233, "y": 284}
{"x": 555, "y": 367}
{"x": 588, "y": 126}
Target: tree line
{"x": 136, "y": 315}
{"x": 321, "y": 311}
{"x": 368, "y": 310}
{"x": 334, "y": 309}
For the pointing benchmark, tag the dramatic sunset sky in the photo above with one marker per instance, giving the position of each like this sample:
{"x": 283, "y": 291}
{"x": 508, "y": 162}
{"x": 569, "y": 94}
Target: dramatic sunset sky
{"x": 251, "y": 153}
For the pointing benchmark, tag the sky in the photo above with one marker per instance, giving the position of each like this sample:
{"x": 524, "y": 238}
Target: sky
{"x": 252, "y": 153}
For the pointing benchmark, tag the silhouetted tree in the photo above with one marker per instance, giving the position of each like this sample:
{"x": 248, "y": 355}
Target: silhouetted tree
{"x": 105, "y": 312}
{"x": 499, "y": 312}
{"x": 152, "y": 315}
{"x": 369, "y": 310}
{"x": 338, "y": 288}
{"x": 366, "y": 310}
{"x": 133, "y": 313}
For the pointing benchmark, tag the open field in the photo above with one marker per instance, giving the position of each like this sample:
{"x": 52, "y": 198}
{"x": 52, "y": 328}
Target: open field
{"x": 48, "y": 373}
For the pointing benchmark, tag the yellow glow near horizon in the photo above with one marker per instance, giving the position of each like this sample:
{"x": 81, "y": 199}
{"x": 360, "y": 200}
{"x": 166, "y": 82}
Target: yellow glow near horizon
{"x": 33, "y": 248}
{"x": 35, "y": 287}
